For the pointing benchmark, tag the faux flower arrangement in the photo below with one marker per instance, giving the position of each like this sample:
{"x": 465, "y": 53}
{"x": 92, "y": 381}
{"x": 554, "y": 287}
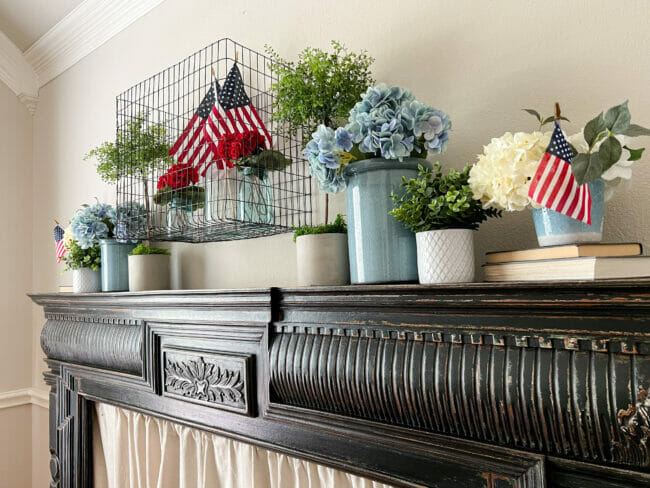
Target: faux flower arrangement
{"x": 179, "y": 183}
{"x": 434, "y": 201}
{"x": 93, "y": 222}
{"x": 388, "y": 122}
{"x": 76, "y": 257}
{"x": 502, "y": 175}
{"x": 247, "y": 149}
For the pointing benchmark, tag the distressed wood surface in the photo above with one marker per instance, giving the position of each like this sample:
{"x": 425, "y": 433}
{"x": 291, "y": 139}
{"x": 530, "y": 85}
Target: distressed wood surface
{"x": 480, "y": 385}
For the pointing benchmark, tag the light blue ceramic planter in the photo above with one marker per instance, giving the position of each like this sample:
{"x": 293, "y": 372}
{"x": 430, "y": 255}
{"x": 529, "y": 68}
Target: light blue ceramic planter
{"x": 381, "y": 249}
{"x": 115, "y": 264}
{"x": 555, "y": 229}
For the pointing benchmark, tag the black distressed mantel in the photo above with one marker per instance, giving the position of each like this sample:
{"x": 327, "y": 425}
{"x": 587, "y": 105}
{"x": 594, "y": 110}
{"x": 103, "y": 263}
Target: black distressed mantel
{"x": 481, "y": 385}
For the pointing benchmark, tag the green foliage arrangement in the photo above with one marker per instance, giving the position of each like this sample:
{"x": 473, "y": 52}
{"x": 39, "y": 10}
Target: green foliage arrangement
{"x": 268, "y": 160}
{"x": 433, "y": 202}
{"x": 604, "y": 149}
{"x": 76, "y": 257}
{"x": 138, "y": 150}
{"x": 142, "y": 250}
{"x": 337, "y": 227}
{"x": 192, "y": 197}
{"x": 320, "y": 87}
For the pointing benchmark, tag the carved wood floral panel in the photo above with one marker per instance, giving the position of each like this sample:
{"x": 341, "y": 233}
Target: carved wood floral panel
{"x": 210, "y": 379}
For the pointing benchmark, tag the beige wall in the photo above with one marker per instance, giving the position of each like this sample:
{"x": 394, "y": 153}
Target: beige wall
{"x": 479, "y": 61}
{"x": 15, "y": 311}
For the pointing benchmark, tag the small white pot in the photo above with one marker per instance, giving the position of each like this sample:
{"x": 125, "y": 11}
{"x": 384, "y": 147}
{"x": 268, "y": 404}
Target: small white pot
{"x": 149, "y": 272}
{"x": 85, "y": 280}
{"x": 445, "y": 256}
{"x": 323, "y": 260}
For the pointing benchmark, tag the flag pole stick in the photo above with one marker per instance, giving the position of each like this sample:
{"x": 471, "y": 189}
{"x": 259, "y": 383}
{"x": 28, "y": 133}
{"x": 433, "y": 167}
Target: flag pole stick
{"x": 231, "y": 197}
{"x": 557, "y": 111}
{"x": 56, "y": 222}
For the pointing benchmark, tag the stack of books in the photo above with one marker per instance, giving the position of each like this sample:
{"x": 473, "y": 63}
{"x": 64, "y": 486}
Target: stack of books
{"x": 570, "y": 262}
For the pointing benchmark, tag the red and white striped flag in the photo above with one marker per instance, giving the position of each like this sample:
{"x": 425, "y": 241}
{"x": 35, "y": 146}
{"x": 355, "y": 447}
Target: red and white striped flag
{"x": 554, "y": 185}
{"x": 197, "y": 144}
{"x": 59, "y": 242}
{"x": 239, "y": 110}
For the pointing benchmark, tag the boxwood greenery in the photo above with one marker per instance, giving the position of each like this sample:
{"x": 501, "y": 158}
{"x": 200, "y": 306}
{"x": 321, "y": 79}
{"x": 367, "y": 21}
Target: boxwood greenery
{"x": 337, "y": 227}
{"x": 433, "y": 201}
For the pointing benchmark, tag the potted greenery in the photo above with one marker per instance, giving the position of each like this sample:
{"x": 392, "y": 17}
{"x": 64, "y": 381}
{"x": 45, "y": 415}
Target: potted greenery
{"x": 149, "y": 268}
{"x": 442, "y": 212}
{"x": 388, "y": 135}
{"x": 140, "y": 149}
{"x": 84, "y": 263}
{"x": 322, "y": 253}
{"x": 320, "y": 88}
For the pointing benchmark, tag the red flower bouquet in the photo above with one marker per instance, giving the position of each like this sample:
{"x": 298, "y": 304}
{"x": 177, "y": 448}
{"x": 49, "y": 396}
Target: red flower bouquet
{"x": 179, "y": 183}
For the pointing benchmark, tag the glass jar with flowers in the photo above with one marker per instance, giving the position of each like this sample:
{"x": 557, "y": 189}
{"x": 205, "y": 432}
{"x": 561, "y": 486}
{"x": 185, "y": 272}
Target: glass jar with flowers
{"x": 503, "y": 174}
{"x": 178, "y": 190}
{"x": 388, "y": 136}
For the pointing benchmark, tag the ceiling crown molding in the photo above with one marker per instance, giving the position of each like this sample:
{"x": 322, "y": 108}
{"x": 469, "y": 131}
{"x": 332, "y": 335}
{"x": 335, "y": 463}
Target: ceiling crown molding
{"x": 15, "y": 71}
{"x": 82, "y": 31}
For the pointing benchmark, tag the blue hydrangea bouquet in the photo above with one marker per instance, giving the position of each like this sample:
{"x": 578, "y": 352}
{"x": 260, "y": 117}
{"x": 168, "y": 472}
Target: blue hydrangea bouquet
{"x": 389, "y": 123}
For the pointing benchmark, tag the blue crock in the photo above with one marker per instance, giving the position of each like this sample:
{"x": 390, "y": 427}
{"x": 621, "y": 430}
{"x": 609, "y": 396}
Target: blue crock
{"x": 115, "y": 264}
{"x": 381, "y": 249}
{"x": 554, "y": 228}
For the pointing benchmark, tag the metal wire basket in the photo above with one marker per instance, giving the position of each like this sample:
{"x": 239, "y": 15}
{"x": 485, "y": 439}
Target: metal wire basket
{"x": 200, "y": 156}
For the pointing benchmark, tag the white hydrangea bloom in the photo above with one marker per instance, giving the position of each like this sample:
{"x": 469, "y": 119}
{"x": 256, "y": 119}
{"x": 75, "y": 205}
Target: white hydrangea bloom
{"x": 502, "y": 175}
{"x": 68, "y": 237}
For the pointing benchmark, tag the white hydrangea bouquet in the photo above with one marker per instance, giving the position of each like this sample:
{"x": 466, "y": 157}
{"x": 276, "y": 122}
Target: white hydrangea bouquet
{"x": 502, "y": 175}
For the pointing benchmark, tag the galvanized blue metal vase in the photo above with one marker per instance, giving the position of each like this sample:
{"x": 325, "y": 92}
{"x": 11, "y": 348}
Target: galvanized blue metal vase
{"x": 381, "y": 249}
{"x": 115, "y": 264}
{"x": 555, "y": 229}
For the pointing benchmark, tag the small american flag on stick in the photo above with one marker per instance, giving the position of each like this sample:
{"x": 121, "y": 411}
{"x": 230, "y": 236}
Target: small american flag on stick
{"x": 554, "y": 185}
{"x": 240, "y": 112}
{"x": 198, "y": 141}
{"x": 59, "y": 243}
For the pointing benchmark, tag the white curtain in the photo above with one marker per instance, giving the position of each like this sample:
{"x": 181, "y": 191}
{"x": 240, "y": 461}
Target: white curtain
{"x": 132, "y": 450}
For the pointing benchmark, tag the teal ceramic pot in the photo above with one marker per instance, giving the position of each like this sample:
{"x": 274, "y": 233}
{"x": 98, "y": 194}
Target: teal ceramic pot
{"x": 554, "y": 228}
{"x": 381, "y": 249}
{"x": 115, "y": 264}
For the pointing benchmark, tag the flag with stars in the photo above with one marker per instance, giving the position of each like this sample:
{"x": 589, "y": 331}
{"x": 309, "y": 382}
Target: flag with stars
{"x": 554, "y": 186}
{"x": 238, "y": 108}
{"x": 197, "y": 144}
{"x": 59, "y": 243}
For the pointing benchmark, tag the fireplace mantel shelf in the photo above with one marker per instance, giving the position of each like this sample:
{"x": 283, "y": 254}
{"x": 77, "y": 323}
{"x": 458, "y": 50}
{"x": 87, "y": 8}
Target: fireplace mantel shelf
{"x": 479, "y": 385}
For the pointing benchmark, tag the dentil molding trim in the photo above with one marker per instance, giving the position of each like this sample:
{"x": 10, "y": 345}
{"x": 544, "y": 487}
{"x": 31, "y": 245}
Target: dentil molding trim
{"x": 82, "y": 31}
{"x": 24, "y": 396}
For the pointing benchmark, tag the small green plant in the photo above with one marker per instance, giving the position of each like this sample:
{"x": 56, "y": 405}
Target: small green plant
{"x": 77, "y": 258}
{"x": 320, "y": 87}
{"x": 142, "y": 250}
{"x": 139, "y": 149}
{"x": 337, "y": 227}
{"x": 433, "y": 202}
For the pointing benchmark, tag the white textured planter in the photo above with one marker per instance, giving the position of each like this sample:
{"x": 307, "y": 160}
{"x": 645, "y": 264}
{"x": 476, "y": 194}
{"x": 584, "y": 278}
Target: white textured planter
{"x": 445, "y": 256}
{"x": 149, "y": 272}
{"x": 85, "y": 280}
{"x": 323, "y": 260}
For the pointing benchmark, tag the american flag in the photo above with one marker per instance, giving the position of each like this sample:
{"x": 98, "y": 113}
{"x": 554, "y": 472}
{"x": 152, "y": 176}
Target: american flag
{"x": 58, "y": 241}
{"x": 198, "y": 142}
{"x": 240, "y": 112}
{"x": 554, "y": 186}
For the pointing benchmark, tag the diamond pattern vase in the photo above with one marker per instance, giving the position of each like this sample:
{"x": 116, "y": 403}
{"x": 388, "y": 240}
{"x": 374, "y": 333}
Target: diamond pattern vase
{"x": 85, "y": 280}
{"x": 445, "y": 256}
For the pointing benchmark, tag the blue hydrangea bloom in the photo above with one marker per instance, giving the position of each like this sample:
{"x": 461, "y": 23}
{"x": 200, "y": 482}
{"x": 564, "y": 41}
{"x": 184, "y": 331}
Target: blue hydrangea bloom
{"x": 92, "y": 223}
{"x": 131, "y": 221}
{"x": 389, "y": 121}
{"x": 324, "y": 161}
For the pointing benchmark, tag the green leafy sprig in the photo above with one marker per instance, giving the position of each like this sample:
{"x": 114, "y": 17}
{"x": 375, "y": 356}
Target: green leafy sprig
{"x": 77, "y": 258}
{"x": 542, "y": 120}
{"x": 591, "y": 165}
{"x": 433, "y": 201}
{"x": 337, "y": 227}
